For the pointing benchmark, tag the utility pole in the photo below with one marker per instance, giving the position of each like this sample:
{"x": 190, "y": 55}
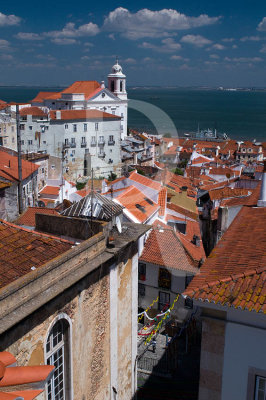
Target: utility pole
{"x": 20, "y": 199}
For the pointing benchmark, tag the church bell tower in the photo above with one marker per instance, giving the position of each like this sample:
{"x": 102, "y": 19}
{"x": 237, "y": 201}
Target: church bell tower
{"x": 117, "y": 82}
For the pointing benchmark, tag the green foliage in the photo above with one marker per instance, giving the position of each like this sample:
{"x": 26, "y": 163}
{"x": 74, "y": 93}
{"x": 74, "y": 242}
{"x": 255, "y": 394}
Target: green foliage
{"x": 178, "y": 171}
{"x": 112, "y": 176}
{"x": 140, "y": 171}
{"x": 80, "y": 185}
{"x": 183, "y": 163}
{"x": 167, "y": 135}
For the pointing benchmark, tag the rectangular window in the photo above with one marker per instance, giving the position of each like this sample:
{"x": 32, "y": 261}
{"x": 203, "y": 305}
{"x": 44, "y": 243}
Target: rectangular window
{"x": 85, "y": 127}
{"x": 74, "y": 127}
{"x": 66, "y": 126}
{"x": 111, "y": 138}
{"x": 260, "y": 388}
{"x": 29, "y": 142}
{"x": 101, "y": 139}
{"x": 42, "y": 170}
{"x": 22, "y": 142}
{"x": 30, "y": 128}
{"x": 164, "y": 279}
{"x": 164, "y": 301}
{"x": 72, "y": 140}
{"x": 44, "y": 142}
{"x": 96, "y": 126}
{"x": 66, "y": 142}
{"x": 83, "y": 139}
{"x": 22, "y": 127}
{"x": 141, "y": 290}
{"x": 142, "y": 271}
{"x": 12, "y": 129}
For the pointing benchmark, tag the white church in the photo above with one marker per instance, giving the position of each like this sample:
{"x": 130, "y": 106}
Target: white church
{"x": 86, "y": 95}
{"x": 87, "y": 121}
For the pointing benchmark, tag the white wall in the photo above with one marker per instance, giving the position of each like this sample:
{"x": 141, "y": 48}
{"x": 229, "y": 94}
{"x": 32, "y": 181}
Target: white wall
{"x": 244, "y": 347}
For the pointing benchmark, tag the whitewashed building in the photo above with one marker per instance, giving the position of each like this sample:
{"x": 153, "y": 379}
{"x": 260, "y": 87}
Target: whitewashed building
{"x": 86, "y": 95}
{"x": 84, "y": 139}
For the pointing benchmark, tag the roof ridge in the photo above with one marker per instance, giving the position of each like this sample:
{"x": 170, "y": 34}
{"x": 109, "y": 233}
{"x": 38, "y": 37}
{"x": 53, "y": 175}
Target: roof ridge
{"x": 2, "y": 221}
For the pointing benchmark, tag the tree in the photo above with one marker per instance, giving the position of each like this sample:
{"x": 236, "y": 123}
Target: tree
{"x": 80, "y": 185}
{"x": 178, "y": 171}
{"x": 112, "y": 176}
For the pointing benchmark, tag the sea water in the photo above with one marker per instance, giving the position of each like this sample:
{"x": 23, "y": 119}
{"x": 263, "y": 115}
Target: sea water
{"x": 240, "y": 114}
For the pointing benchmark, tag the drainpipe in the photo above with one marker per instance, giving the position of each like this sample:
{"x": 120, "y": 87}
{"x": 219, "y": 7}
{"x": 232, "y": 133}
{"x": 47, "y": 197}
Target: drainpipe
{"x": 262, "y": 199}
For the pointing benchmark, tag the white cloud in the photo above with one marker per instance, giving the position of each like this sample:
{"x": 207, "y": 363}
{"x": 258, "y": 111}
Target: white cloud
{"x": 28, "y": 36}
{"x": 235, "y": 46}
{"x": 168, "y": 45}
{"x": 130, "y": 61}
{"x": 262, "y": 25}
{"x": 251, "y": 38}
{"x": 70, "y": 31}
{"x": 63, "y": 41}
{"x": 7, "y": 20}
{"x": 46, "y": 57}
{"x": 85, "y": 58}
{"x": 263, "y": 49}
{"x": 244, "y": 59}
{"x": 196, "y": 40}
{"x": 152, "y": 24}
{"x": 147, "y": 59}
{"x": 176, "y": 58}
{"x": 4, "y": 44}
{"x": 228, "y": 40}
{"x": 88, "y": 44}
{"x": 218, "y": 46}
{"x": 214, "y": 56}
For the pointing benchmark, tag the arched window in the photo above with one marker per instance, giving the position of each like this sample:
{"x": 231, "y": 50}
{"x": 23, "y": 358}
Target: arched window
{"x": 58, "y": 354}
{"x": 121, "y": 86}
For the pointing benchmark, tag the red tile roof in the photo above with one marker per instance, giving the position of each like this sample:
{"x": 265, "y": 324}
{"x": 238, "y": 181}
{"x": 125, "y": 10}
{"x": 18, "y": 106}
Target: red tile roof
{"x": 165, "y": 249}
{"x": 162, "y": 201}
{"x": 28, "y": 217}
{"x": 25, "y": 394}
{"x": 143, "y": 180}
{"x": 137, "y": 203}
{"x": 82, "y": 114}
{"x": 86, "y": 87}
{"x": 235, "y": 272}
{"x": 52, "y": 190}
{"x": 45, "y": 95}
{"x": 228, "y": 192}
{"x": 9, "y": 167}
{"x": 35, "y": 111}
{"x": 21, "y": 249}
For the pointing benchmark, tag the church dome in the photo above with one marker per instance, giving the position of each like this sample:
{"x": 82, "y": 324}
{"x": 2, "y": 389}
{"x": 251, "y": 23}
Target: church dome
{"x": 116, "y": 69}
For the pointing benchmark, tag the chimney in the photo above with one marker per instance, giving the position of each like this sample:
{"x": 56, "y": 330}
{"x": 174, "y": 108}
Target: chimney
{"x": 58, "y": 114}
{"x": 262, "y": 199}
{"x": 102, "y": 85}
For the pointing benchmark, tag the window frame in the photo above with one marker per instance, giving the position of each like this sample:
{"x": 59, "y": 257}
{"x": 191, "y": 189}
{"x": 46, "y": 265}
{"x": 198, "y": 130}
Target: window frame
{"x": 69, "y": 395}
{"x": 160, "y": 303}
{"x": 253, "y": 372}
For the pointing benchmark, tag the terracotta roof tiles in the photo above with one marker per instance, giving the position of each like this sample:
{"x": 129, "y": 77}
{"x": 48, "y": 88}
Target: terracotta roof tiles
{"x": 82, "y": 114}
{"x": 28, "y": 217}
{"x": 165, "y": 249}
{"x": 34, "y": 111}
{"x": 21, "y": 249}
{"x": 9, "y": 167}
{"x": 234, "y": 274}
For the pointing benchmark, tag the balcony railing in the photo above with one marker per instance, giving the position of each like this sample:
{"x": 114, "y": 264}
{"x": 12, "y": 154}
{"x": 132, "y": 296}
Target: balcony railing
{"x": 73, "y": 145}
{"x": 101, "y": 155}
{"x": 111, "y": 142}
{"x": 101, "y": 143}
{"x": 83, "y": 144}
{"x": 66, "y": 146}
{"x": 93, "y": 144}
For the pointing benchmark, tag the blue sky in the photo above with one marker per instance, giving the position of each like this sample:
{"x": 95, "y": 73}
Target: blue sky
{"x": 179, "y": 43}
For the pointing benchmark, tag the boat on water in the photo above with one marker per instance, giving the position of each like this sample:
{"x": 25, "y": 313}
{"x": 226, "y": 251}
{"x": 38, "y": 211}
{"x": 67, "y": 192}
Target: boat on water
{"x": 207, "y": 134}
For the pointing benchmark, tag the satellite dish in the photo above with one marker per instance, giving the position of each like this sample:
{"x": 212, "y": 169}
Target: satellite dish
{"x": 118, "y": 224}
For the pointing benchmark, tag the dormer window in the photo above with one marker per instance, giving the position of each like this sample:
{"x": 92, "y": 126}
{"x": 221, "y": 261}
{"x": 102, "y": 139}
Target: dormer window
{"x": 103, "y": 95}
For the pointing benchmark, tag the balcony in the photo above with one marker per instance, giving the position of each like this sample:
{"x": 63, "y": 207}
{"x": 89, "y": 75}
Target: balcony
{"x": 83, "y": 144}
{"x": 101, "y": 155}
{"x": 93, "y": 144}
{"x": 111, "y": 142}
{"x": 73, "y": 145}
{"x": 101, "y": 143}
{"x": 66, "y": 146}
